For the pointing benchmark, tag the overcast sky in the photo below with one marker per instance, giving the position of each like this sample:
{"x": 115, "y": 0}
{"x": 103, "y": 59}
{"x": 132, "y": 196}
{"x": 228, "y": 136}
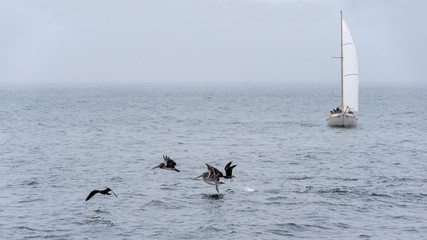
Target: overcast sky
{"x": 213, "y": 41}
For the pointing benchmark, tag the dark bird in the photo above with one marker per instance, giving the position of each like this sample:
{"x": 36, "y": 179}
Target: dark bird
{"x": 229, "y": 171}
{"x": 212, "y": 177}
{"x": 169, "y": 164}
{"x": 106, "y": 191}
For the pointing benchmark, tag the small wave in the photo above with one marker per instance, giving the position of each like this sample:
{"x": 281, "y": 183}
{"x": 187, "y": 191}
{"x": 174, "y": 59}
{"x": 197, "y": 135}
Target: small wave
{"x": 276, "y": 200}
{"x": 298, "y": 178}
{"x": 274, "y": 191}
{"x": 335, "y": 190}
{"x": 32, "y": 182}
{"x": 211, "y": 229}
{"x": 101, "y": 211}
{"x": 26, "y": 228}
{"x": 159, "y": 204}
{"x": 169, "y": 186}
{"x": 344, "y": 179}
{"x": 229, "y": 190}
{"x": 156, "y": 203}
{"x": 248, "y": 189}
{"x": 343, "y": 225}
{"x": 350, "y": 179}
{"x": 117, "y": 179}
{"x": 379, "y": 195}
{"x": 356, "y": 192}
{"x": 409, "y": 113}
{"x": 310, "y": 156}
{"x": 315, "y": 226}
{"x": 281, "y": 232}
{"x": 32, "y": 200}
{"x": 290, "y": 225}
{"x": 98, "y": 220}
{"x": 305, "y": 189}
{"x": 415, "y": 195}
{"x": 306, "y": 125}
{"x": 249, "y": 210}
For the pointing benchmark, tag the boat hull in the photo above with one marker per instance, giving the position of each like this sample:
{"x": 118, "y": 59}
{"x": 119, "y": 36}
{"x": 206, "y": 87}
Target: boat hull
{"x": 342, "y": 120}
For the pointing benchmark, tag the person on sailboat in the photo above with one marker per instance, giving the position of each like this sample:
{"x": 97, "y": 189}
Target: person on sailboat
{"x": 347, "y": 110}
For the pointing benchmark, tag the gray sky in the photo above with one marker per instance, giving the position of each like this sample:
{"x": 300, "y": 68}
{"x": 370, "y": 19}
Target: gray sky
{"x": 212, "y": 41}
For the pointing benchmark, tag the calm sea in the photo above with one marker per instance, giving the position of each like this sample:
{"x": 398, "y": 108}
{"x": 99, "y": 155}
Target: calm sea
{"x": 295, "y": 177}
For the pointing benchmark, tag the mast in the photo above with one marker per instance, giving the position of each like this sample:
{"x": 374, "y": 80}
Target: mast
{"x": 342, "y": 71}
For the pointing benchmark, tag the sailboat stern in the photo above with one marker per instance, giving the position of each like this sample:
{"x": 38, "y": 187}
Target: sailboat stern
{"x": 342, "y": 120}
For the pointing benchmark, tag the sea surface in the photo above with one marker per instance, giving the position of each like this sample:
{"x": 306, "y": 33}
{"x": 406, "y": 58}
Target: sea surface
{"x": 295, "y": 177}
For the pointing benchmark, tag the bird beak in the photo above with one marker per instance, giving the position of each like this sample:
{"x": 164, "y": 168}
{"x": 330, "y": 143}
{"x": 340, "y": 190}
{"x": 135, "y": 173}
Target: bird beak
{"x": 156, "y": 166}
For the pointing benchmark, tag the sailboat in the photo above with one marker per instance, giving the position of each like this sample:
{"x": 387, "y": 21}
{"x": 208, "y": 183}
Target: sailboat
{"x": 345, "y": 117}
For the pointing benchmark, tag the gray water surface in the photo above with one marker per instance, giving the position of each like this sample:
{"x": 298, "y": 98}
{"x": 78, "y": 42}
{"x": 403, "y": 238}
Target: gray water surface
{"x": 295, "y": 177}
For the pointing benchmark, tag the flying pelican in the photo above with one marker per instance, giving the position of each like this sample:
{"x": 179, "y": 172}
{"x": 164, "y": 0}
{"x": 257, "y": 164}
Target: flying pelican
{"x": 105, "y": 191}
{"x": 211, "y": 177}
{"x": 169, "y": 164}
{"x": 229, "y": 171}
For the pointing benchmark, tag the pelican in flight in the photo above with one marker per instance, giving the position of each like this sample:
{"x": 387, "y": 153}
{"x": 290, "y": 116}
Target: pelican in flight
{"x": 212, "y": 177}
{"x": 169, "y": 164}
{"x": 105, "y": 191}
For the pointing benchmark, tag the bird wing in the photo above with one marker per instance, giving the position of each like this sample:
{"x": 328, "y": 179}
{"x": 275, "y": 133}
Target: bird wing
{"x": 218, "y": 173}
{"x": 214, "y": 172}
{"x": 227, "y": 166}
{"x": 166, "y": 159}
{"x": 113, "y": 192}
{"x": 211, "y": 171}
{"x": 169, "y": 162}
{"x": 91, "y": 194}
{"x": 229, "y": 169}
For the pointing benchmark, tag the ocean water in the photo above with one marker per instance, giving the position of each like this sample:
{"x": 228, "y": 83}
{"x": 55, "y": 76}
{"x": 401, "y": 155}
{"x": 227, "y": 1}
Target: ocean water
{"x": 295, "y": 177}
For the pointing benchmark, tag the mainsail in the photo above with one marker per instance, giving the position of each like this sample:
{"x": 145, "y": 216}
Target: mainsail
{"x": 350, "y": 71}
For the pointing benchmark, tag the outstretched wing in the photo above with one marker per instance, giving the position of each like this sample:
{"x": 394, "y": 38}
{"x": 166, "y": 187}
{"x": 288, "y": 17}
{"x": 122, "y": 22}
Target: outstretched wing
{"x": 113, "y": 192}
{"x": 169, "y": 162}
{"x": 218, "y": 173}
{"x": 229, "y": 169}
{"x": 166, "y": 159}
{"x": 91, "y": 194}
{"x": 211, "y": 171}
{"x": 214, "y": 172}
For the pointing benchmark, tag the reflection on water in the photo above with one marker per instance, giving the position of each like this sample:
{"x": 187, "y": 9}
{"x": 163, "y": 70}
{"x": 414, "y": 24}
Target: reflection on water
{"x": 213, "y": 196}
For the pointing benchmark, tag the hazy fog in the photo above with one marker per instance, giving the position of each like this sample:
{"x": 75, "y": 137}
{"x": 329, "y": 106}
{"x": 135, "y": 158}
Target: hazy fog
{"x": 208, "y": 41}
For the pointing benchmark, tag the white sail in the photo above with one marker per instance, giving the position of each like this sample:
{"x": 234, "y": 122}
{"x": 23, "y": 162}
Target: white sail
{"x": 350, "y": 72}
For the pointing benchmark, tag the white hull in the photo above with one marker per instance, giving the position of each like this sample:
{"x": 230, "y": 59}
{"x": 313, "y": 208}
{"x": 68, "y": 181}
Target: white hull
{"x": 342, "y": 120}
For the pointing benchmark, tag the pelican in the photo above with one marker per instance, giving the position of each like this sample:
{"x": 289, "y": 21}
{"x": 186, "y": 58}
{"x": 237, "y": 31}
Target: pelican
{"x": 212, "y": 177}
{"x": 105, "y": 191}
{"x": 229, "y": 171}
{"x": 169, "y": 164}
